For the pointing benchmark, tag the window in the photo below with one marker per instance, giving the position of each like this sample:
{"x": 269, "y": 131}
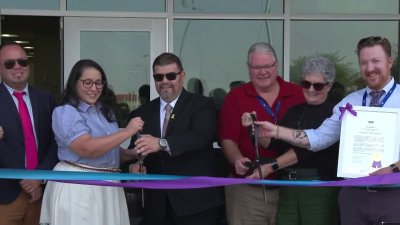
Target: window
{"x": 215, "y": 51}
{"x": 338, "y": 40}
{"x": 39, "y": 35}
{"x": 229, "y": 6}
{"x": 120, "y": 5}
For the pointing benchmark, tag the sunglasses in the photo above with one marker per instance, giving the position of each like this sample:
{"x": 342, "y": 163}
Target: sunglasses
{"x": 88, "y": 83}
{"x": 170, "y": 76}
{"x": 317, "y": 86}
{"x": 10, "y": 63}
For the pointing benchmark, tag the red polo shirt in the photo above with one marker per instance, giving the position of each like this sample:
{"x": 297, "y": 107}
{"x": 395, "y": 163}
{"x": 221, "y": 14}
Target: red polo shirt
{"x": 244, "y": 99}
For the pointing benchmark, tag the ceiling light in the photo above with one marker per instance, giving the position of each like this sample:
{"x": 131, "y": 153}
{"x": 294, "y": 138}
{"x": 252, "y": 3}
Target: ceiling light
{"x": 9, "y": 35}
{"x": 22, "y": 42}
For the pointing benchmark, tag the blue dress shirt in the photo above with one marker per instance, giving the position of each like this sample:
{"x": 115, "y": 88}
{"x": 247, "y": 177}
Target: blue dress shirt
{"x": 69, "y": 123}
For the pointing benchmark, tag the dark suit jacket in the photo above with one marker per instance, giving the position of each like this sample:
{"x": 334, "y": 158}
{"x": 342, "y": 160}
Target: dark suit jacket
{"x": 12, "y": 147}
{"x": 190, "y": 134}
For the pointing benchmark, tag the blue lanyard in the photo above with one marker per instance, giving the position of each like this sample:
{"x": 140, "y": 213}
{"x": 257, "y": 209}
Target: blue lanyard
{"x": 364, "y": 101}
{"x": 269, "y": 110}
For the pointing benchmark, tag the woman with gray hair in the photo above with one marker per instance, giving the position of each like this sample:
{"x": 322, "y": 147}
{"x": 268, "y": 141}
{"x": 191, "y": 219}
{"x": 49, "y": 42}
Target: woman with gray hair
{"x": 307, "y": 205}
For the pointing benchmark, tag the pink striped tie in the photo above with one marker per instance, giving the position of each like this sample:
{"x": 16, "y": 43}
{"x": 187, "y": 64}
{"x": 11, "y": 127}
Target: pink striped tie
{"x": 29, "y": 137}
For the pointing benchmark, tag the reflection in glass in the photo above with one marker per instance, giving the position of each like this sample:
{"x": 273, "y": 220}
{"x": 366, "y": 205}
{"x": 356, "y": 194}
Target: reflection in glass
{"x": 344, "y": 6}
{"x": 215, "y": 51}
{"x": 229, "y": 6}
{"x": 30, "y": 4}
{"x": 120, "y": 5}
{"x": 195, "y": 85}
{"x": 337, "y": 40}
{"x": 124, "y": 57}
{"x": 39, "y": 35}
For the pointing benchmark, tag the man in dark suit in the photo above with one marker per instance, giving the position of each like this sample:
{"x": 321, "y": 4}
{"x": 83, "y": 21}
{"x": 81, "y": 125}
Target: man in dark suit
{"x": 184, "y": 149}
{"x": 20, "y": 200}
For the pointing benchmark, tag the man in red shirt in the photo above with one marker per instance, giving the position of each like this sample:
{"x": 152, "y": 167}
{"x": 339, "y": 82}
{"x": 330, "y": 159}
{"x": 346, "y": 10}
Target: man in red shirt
{"x": 269, "y": 96}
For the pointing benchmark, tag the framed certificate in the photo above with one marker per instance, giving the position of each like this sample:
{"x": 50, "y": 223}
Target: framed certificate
{"x": 368, "y": 141}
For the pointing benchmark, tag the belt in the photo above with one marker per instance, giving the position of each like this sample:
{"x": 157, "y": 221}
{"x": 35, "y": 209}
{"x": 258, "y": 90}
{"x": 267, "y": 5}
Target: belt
{"x": 376, "y": 189}
{"x": 299, "y": 174}
{"x": 94, "y": 169}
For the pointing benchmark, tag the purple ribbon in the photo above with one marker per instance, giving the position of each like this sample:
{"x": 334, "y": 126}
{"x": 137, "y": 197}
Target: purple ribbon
{"x": 392, "y": 179}
{"x": 154, "y": 181}
{"x": 349, "y": 108}
{"x": 183, "y": 183}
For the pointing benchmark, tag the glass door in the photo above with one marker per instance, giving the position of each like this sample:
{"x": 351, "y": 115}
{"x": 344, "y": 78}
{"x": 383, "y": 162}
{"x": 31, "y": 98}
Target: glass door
{"x": 124, "y": 47}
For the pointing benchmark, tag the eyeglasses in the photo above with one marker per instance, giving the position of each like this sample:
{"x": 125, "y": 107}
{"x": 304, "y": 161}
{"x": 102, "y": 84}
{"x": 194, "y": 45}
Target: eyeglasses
{"x": 10, "y": 63}
{"x": 170, "y": 76}
{"x": 88, "y": 83}
{"x": 317, "y": 86}
{"x": 259, "y": 68}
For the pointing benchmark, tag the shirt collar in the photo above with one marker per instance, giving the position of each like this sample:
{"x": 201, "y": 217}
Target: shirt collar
{"x": 11, "y": 90}
{"x": 164, "y": 103}
{"x": 387, "y": 87}
{"x": 83, "y": 106}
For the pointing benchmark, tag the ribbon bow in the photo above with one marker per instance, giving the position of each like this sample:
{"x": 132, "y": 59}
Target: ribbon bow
{"x": 349, "y": 108}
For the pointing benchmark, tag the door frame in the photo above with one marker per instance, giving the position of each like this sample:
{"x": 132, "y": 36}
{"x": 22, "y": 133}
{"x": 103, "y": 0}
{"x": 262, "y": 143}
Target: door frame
{"x": 74, "y": 25}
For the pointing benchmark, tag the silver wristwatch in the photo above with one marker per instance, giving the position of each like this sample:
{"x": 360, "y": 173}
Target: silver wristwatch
{"x": 164, "y": 144}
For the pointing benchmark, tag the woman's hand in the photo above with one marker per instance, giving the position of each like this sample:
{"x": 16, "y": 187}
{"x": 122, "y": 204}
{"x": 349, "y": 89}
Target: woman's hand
{"x": 135, "y": 125}
{"x": 127, "y": 154}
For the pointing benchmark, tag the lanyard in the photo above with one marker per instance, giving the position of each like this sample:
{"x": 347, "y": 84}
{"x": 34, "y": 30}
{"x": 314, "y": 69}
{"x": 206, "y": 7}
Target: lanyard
{"x": 364, "y": 101}
{"x": 269, "y": 110}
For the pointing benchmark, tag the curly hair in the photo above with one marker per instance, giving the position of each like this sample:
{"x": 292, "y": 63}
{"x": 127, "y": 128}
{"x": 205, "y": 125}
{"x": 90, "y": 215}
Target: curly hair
{"x": 321, "y": 65}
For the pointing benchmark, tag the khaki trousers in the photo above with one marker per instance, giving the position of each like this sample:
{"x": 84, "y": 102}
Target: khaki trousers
{"x": 245, "y": 205}
{"x": 21, "y": 211}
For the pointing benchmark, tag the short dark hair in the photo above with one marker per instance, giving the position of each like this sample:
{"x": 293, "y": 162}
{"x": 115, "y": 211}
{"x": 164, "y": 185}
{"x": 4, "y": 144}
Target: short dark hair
{"x": 375, "y": 40}
{"x": 236, "y": 83}
{"x": 70, "y": 94}
{"x": 144, "y": 93}
{"x": 167, "y": 58}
